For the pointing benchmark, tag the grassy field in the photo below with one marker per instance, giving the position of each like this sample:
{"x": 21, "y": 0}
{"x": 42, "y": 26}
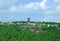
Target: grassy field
{"x": 14, "y": 33}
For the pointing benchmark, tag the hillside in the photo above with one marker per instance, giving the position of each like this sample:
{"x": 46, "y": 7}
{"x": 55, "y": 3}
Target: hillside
{"x": 36, "y": 31}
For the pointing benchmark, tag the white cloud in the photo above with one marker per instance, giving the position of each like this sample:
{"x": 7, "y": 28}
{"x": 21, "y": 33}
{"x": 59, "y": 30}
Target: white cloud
{"x": 25, "y": 7}
{"x": 22, "y": 7}
{"x": 43, "y": 4}
{"x": 31, "y": 6}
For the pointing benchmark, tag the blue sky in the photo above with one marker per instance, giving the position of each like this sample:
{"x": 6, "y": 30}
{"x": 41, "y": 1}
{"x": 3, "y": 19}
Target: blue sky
{"x": 37, "y": 10}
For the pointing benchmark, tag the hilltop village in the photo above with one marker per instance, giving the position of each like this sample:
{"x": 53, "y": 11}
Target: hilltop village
{"x": 33, "y": 26}
{"x": 29, "y": 31}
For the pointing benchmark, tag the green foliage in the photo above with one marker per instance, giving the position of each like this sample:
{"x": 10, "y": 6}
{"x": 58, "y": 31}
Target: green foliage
{"x": 11, "y": 33}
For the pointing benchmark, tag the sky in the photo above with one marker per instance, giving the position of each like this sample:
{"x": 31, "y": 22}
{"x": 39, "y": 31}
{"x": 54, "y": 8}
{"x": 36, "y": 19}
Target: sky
{"x": 36, "y": 10}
